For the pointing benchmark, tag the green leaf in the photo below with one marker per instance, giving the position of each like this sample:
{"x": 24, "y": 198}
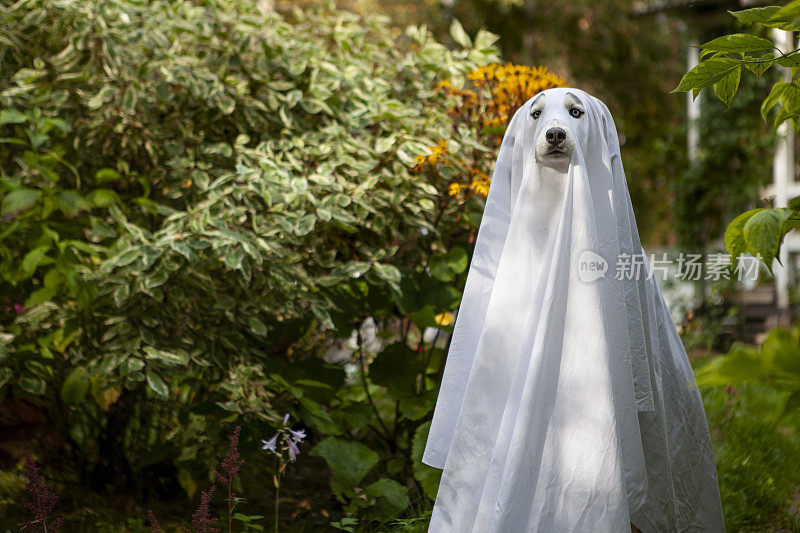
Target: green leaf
{"x": 782, "y": 116}
{"x": 19, "y": 200}
{"x": 257, "y": 326}
{"x": 415, "y": 407}
{"x": 781, "y": 351}
{"x": 387, "y": 272}
{"x": 33, "y": 259}
{"x": 763, "y": 233}
{"x": 440, "y": 268}
{"x": 726, "y": 88}
{"x": 102, "y": 197}
{"x": 428, "y": 476}
{"x": 789, "y": 60}
{"x": 101, "y": 97}
{"x": 397, "y": 368}
{"x": 792, "y": 404}
{"x": 106, "y": 174}
{"x": 737, "y": 42}
{"x": 769, "y": 16}
{"x": 125, "y": 257}
{"x": 70, "y": 203}
{"x": 787, "y": 17}
{"x": 384, "y": 143}
{"x": 790, "y": 98}
{"x": 12, "y": 116}
{"x": 741, "y": 363}
{"x": 75, "y": 387}
{"x": 734, "y": 235}
{"x": 44, "y": 294}
{"x": 33, "y": 385}
{"x": 425, "y": 317}
{"x": 129, "y": 99}
{"x": 356, "y": 269}
{"x": 187, "y": 482}
{"x": 157, "y": 384}
{"x": 756, "y": 14}
{"x": 349, "y": 461}
{"x": 765, "y": 61}
{"x": 459, "y": 35}
{"x": 5, "y": 376}
{"x": 166, "y": 357}
{"x": 305, "y": 224}
{"x": 772, "y": 98}
{"x": 707, "y": 73}
{"x": 457, "y": 260}
{"x": 392, "y": 497}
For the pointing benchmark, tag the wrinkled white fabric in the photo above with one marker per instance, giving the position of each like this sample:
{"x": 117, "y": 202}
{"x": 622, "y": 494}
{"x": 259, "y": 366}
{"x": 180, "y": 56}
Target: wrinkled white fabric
{"x": 567, "y": 403}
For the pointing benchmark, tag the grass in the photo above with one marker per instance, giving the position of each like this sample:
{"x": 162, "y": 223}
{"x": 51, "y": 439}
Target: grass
{"x": 757, "y": 457}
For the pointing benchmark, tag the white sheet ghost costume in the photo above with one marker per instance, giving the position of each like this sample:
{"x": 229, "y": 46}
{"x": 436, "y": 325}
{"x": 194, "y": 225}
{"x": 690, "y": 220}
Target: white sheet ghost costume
{"x": 567, "y": 402}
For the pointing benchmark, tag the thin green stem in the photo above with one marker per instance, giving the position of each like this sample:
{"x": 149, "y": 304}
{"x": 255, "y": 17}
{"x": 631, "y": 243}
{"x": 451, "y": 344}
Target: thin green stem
{"x": 277, "y": 482}
{"x": 230, "y": 508}
{"x": 387, "y": 435}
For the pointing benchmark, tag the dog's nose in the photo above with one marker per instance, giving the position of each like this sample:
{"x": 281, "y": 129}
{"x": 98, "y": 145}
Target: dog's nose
{"x": 555, "y": 135}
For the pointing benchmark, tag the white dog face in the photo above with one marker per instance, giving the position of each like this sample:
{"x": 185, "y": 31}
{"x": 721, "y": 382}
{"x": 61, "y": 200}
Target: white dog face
{"x": 557, "y": 116}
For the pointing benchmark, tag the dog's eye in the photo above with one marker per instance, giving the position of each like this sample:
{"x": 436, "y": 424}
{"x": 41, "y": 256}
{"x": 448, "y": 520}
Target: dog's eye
{"x": 575, "y": 112}
{"x": 536, "y": 114}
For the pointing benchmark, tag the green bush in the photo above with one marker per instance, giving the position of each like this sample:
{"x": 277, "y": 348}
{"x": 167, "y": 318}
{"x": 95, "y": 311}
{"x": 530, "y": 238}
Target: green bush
{"x": 196, "y": 198}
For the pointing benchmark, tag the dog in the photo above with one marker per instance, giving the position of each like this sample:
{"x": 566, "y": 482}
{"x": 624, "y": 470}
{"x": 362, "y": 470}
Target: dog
{"x": 560, "y": 122}
{"x": 558, "y": 125}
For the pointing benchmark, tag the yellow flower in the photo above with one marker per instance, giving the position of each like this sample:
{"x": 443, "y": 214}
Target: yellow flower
{"x": 444, "y": 84}
{"x": 440, "y": 148}
{"x": 455, "y": 189}
{"x": 444, "y": 319}
{"x": 479, "y": 174}
{"x": 436, "y": 153}
{"x": 481, "y": 187}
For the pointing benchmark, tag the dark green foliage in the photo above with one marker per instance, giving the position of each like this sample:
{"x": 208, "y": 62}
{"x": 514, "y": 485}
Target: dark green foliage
{"x": 733, "y": 163}
{"x": 759, "y": 232}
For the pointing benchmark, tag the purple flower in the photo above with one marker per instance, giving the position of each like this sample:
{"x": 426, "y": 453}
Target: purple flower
{"x": 298, "y": 435}
{"x": 285, "y": 419}
{"x": 232, "y": 461}
{"x": 39, "y": 500}
{"x": 19, "y": 308}
{"x": 293, "y": 450}
{"x": 271, "y": 443}
{"x": 155, "y": 528}
{"x": 201, "y": 519}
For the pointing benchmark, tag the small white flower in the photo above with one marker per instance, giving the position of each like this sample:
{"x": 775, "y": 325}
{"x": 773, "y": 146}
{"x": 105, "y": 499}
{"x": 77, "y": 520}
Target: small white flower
{"x": 271, "y": 443}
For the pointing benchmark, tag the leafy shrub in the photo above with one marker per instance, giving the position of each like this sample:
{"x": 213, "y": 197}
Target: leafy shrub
{"x": 186, "y": 189}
